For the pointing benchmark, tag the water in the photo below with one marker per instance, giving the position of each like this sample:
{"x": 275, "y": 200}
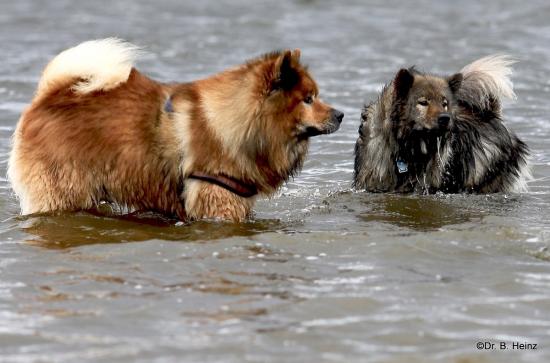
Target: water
{"x": 323, "y": 274}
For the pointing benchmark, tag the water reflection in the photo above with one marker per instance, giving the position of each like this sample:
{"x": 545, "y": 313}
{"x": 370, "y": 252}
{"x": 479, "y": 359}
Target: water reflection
{"x": 78, "y": 229}
{"x": 418, "y": 212}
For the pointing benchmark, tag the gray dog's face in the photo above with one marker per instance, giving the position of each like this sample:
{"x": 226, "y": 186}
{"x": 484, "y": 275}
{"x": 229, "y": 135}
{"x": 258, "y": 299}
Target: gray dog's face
{"x": 428, "y": 101}
{"x": 429, "y": 104}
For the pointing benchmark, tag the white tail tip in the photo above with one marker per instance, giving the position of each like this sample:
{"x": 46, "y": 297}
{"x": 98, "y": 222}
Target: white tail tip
{"x": 492, "y": 75}
{"x": 99, "y": 64}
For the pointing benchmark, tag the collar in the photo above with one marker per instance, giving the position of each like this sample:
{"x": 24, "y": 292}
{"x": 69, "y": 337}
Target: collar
{"x": 233, "y": 185}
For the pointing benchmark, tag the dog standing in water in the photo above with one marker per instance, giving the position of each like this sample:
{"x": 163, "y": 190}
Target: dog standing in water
{"x": 427, "y": 133}
{"x": 99, "y": 130}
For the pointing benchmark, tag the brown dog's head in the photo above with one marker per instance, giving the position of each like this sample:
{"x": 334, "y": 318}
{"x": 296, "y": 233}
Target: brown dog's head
{"x": 427, "y": 102}
{"x": 290, "y": 113}
{"x": 292, "y": 97}
{"x": 263, "y": 114}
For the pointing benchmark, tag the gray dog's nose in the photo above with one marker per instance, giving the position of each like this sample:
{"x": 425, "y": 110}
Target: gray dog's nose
{"x": 444, "y": 119}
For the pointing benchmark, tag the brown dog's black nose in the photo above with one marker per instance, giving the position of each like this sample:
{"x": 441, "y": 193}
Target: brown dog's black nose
{"x": 338, "y": 115}
{"x": 443, "y": 120}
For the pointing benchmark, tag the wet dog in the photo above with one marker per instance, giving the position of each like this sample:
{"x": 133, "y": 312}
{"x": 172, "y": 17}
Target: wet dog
{"x": 98, "y": 131}
{"x": 427, "y": 133}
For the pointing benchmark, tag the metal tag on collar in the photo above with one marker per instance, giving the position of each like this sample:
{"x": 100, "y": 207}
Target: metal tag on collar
{"x": 402, "y": 166}
{"x": 168, "y": 107}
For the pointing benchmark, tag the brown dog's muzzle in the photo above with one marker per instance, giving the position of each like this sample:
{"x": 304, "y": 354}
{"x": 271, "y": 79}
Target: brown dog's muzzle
{"x": 333, "y": 124}
{"x": 336, "y": 116}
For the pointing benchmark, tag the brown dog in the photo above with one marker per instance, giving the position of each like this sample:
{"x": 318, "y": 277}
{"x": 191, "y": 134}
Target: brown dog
{"x": 99, "y": 130}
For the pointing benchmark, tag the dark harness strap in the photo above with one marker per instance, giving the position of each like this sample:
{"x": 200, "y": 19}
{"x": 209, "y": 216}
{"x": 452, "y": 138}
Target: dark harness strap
{"x": 233, "y": 185}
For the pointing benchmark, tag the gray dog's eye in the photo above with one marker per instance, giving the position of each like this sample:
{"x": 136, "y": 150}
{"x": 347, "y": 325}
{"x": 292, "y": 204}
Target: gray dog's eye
{"x": 423, "y": 102}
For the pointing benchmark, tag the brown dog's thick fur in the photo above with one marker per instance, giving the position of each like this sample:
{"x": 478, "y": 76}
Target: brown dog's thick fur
{"x": 99, "y": 130}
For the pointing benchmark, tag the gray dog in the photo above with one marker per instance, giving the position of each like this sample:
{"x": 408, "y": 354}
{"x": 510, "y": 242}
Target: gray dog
{"x": 426, "y": 133}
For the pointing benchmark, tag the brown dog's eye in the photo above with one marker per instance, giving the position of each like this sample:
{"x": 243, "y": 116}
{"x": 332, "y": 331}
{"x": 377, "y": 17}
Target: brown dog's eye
{"x": 308, "y": 100}
{"x": 445, "y": 103}
{"x": 423, "y": 102}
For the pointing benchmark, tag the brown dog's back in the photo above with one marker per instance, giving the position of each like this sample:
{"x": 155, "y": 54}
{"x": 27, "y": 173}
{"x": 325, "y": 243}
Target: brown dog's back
{"x": 73, "y": 150}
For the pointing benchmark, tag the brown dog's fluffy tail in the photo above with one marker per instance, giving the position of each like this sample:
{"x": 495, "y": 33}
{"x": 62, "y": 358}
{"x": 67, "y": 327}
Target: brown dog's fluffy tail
{"x": 487, "y": 81}
{"x": 92, "y": 66}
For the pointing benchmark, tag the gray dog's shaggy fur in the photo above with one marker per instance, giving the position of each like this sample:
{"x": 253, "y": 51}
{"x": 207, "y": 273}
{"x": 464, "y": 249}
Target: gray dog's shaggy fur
{"x": 426, "y": 133}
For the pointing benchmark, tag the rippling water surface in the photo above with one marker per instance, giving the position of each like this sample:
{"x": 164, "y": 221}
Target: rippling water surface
{"x": 324, "y": 274}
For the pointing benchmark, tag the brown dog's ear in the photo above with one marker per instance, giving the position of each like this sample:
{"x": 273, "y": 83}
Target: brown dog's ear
{"x": 455, "y": 81}
{"x": 296, "y": 55}
{"x": 402, "y": 83}
{"x": 286, "y": 75}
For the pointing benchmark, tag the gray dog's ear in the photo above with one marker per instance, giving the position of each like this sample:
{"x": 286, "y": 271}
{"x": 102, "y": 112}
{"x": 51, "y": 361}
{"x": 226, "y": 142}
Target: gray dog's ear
{"x": 402, "y": 83}
{"x": 455, "y": 81}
